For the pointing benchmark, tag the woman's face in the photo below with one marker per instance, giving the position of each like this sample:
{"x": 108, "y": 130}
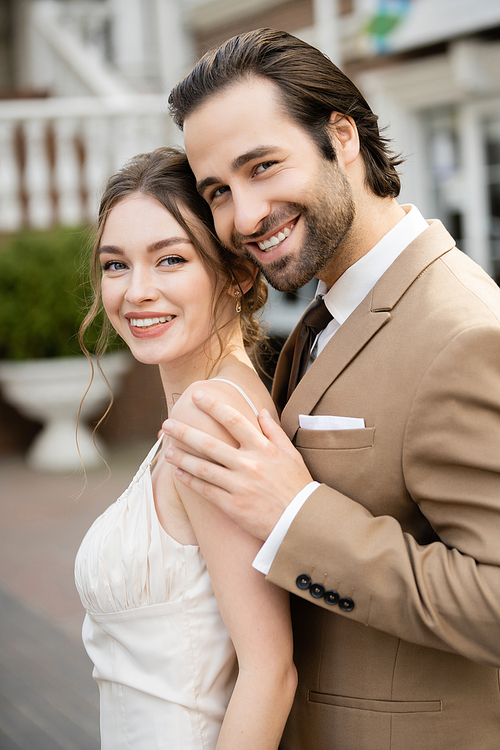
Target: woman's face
{"x": 156, "y": 290}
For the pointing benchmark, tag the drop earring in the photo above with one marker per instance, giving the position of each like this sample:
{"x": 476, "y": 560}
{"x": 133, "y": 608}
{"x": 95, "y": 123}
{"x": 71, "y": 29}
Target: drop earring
{"x": 238, "y": 301}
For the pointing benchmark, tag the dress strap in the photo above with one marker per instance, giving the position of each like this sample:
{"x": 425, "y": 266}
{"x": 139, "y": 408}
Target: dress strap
{"x": 154, "y": 450}
{"x": 223, "y": 380}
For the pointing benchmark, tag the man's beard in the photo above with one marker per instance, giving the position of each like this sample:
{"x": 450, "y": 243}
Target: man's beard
{"x": 327, "y": 221}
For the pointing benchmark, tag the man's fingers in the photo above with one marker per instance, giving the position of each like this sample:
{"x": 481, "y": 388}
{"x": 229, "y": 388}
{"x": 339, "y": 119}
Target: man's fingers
{"x": 206, "y": 490}
{"x": 198, "y": 441}
{"x": 197, "y": 485}
{"x": 221, "y": 499}
{"x": 211, "y": 473}
{"x": 235, "y": 423}
{"x": 274, "y": 433}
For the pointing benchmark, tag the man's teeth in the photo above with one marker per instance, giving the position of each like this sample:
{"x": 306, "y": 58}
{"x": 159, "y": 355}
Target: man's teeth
{"x": 276, "y": 239}
{"x": 146, "y": 322}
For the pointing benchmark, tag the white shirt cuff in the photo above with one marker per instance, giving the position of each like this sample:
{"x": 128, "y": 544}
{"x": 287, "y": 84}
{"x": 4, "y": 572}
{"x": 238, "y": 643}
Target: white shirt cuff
{"x": 267, "y": 552}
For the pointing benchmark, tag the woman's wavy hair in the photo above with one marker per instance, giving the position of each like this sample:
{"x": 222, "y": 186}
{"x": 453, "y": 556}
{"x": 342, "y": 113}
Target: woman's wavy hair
{"x": 165, "y": 175}
{"x": 311, "y": 88}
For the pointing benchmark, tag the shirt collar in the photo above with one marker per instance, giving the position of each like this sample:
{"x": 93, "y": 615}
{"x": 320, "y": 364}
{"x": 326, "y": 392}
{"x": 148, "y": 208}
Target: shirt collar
{"x": 360, "y": 278}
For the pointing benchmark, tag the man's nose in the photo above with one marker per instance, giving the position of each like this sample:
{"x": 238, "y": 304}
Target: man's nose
{"x": 250, "y": 209}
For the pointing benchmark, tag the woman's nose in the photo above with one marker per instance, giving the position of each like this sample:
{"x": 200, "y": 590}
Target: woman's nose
{"x": 141, "y": 288}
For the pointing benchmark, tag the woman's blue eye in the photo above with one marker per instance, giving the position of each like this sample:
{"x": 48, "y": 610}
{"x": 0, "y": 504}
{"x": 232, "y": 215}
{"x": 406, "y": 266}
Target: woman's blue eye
{"x": 173, "y": 260}
{"x": 113, "y": 265}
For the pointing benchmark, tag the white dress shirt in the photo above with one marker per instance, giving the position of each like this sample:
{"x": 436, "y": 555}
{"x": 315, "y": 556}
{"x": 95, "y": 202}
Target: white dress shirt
{"x": 341, "y": 300}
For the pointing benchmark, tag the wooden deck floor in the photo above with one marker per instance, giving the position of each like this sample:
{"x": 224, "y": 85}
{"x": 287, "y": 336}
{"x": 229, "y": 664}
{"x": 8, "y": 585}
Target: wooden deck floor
{"x": 47, "y": 701}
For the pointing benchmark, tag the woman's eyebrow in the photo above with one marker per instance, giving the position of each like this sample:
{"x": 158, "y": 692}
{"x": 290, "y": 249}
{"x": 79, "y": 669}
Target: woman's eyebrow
{"x": 110, "y": 249}
{"x": 160, "y": 244}
{"x": 154, "y": 247}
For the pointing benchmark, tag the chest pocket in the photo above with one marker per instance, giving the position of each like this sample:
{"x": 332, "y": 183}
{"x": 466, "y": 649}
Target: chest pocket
{"x": 331, "y": 440}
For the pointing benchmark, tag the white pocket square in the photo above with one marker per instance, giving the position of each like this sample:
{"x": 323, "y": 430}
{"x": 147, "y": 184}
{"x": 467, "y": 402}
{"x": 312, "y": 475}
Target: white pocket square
{"x": 327, "y": 422}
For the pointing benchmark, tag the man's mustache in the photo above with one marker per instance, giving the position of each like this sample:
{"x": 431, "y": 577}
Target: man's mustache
{"x": 269, "y": 224}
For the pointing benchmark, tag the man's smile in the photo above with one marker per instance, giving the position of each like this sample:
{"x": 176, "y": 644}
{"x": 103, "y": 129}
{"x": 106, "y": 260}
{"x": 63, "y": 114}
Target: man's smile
{"x": 268, "y": 241}
{"x": 276, "y": 239}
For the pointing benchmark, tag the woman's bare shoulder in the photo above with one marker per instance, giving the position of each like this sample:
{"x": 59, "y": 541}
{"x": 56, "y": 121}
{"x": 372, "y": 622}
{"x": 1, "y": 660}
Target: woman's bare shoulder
{"x": 222, "y": 387}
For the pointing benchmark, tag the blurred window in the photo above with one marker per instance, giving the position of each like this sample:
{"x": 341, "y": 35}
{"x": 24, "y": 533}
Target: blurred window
{"x": 445, "y": 168}
{"x": 466, "y": 195}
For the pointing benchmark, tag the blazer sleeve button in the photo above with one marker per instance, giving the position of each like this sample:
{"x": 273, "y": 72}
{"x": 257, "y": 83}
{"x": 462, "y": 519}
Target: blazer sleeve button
{"x": 317, "y": 591}
{"x": 332, "y": 597}
{"x": 303, "y": 581}
{"x": 346, "y": 604}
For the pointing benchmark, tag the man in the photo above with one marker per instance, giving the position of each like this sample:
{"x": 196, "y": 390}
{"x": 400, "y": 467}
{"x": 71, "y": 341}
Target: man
{"x": 393, "y": 559}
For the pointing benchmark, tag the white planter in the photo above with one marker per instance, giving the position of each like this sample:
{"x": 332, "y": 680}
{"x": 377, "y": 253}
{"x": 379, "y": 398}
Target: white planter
{"x": 50, "y": 391}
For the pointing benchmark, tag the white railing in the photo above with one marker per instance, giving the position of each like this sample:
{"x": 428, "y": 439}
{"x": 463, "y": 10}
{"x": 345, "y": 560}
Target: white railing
{"x": 56, "y": 153}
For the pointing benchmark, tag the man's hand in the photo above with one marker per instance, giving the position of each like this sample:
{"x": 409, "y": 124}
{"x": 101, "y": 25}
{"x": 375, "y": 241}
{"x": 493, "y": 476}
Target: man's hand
{"x": 252, "y": 484}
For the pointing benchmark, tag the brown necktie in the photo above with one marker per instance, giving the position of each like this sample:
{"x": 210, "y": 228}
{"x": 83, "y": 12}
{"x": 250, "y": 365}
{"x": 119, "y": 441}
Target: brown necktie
{"x": 315, "y": 320}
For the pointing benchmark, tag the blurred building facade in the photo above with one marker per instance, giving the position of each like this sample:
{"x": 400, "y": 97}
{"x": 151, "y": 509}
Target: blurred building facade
{"x": 84, "y": 84}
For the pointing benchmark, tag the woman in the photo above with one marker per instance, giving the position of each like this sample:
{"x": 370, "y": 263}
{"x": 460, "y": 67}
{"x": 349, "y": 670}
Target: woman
{"x": 179, "y": 666}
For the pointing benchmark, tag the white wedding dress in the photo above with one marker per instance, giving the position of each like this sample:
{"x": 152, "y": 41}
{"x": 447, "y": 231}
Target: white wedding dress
{"x": 163, "y": 659}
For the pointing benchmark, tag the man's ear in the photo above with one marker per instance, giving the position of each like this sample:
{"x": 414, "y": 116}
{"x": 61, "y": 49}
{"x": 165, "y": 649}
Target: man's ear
{"x": 244, "y": 276}
{"x": 345, "y": 137}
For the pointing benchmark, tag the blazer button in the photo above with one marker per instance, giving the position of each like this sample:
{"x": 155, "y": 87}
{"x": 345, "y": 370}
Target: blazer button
{"x": 346, "y": 604}
{"x": 303, "y": 581}
{"x": 317, "y": 591}
{"x": 332, "y": 597}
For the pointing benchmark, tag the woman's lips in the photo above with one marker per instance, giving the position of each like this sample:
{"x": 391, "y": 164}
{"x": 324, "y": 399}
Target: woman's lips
{"x": 148, "y": 327}
{"x": 147, "y": 322}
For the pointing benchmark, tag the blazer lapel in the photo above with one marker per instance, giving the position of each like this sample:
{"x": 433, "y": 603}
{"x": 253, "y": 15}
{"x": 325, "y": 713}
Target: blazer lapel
{"x": 351, "y": 337}
{"x": 366, "y": 320}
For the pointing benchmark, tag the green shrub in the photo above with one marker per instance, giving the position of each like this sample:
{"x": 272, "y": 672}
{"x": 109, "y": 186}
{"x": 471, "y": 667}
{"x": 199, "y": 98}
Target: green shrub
{"x": 43, "y": 293}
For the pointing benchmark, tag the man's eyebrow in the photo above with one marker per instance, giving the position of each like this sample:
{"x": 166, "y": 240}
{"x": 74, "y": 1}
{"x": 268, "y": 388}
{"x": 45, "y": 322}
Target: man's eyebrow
{"x": 256, "y": 153}
{"x": 202, "y": 185}
{"x": 154, "y": 247}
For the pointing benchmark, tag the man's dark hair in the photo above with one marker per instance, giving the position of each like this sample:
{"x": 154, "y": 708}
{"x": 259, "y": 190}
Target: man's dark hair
{"x": 311, "y": 87}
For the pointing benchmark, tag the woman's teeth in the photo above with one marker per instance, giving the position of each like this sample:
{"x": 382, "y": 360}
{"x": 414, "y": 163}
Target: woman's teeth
{"x": 146, "y": 322}
{"x": 276, "y": 239}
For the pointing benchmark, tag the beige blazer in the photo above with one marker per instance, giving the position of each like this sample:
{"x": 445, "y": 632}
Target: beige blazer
{"x": 398, "y": 636}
